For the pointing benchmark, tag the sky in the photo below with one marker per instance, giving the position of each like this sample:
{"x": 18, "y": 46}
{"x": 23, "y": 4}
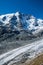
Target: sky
{"x": 33, "y": 7}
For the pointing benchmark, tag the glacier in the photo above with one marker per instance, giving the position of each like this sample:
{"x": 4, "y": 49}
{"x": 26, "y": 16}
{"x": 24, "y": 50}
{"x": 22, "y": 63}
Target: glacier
{"x": 32, "y": 50}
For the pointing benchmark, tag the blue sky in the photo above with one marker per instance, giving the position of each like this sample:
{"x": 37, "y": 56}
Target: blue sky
{"x": 34, "y": 7}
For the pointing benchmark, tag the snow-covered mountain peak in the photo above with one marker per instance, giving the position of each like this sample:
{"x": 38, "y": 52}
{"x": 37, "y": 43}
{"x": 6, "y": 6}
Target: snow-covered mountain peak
{"x": 17, "y": 13}
{"x": 32, "y": 17}
{"x": 19, "y": 21}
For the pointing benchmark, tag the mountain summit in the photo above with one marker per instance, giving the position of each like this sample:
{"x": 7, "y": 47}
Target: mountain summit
{"x": 20, "y": 23}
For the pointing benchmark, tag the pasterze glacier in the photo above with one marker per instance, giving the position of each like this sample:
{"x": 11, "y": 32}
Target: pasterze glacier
{"x": 21, "y": 38}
